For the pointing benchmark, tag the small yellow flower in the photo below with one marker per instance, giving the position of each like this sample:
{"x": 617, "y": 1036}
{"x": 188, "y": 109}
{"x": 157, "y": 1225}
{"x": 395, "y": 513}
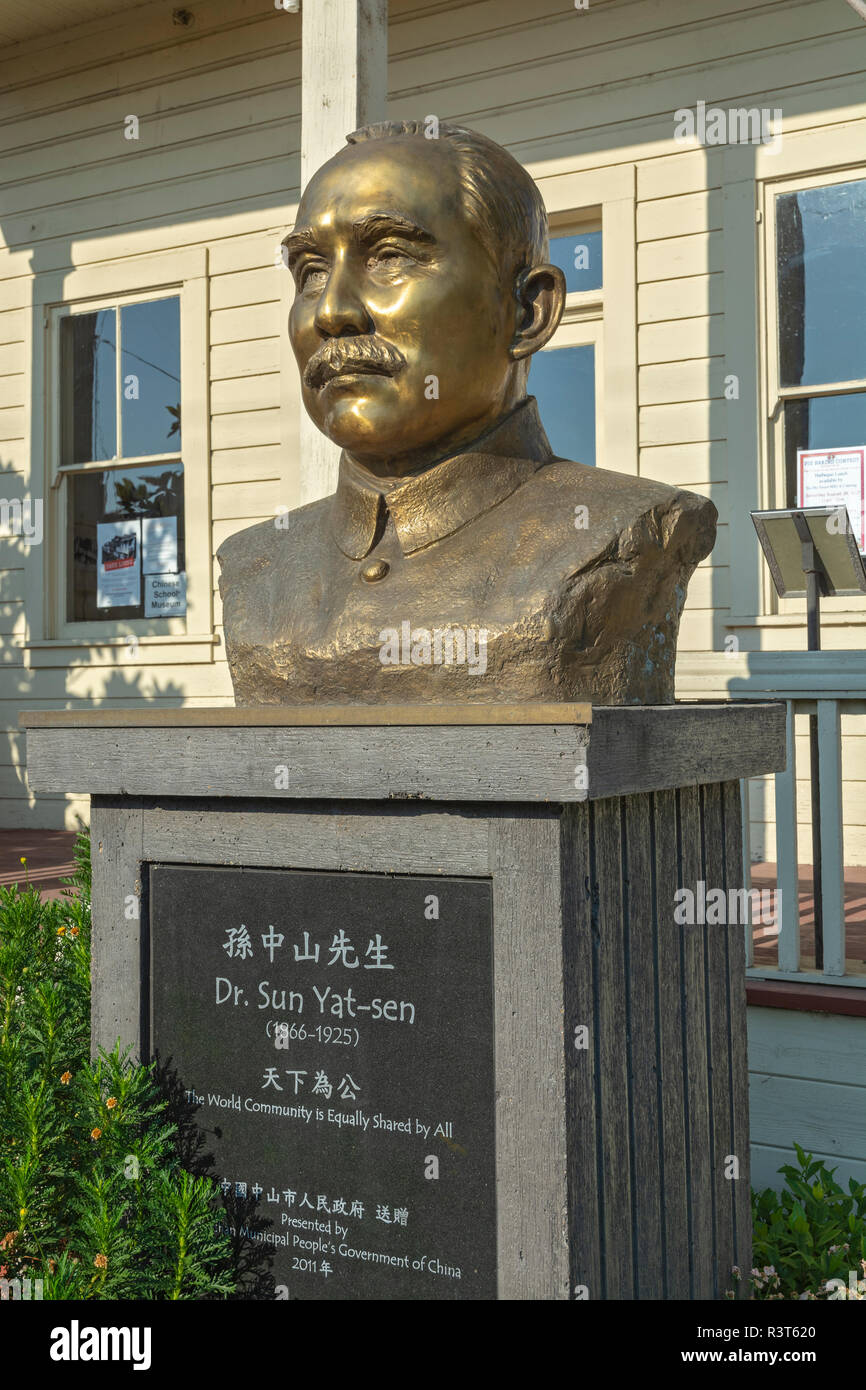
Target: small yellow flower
{"x": 101, "y": 1262}
{"x": 61, "y": 931}
{"x": 96, "y": 1133}
{"x": 23, "y": 859}
{"x": 22, "y": 1212}
{"x": 73, "y": 931}
{"x": 110, "y": 1103}
{"x": 66, "y": 1078}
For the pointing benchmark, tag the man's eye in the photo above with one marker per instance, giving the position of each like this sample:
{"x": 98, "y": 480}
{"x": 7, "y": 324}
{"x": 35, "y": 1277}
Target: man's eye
{"x": 311, "y": 274}
{"x": 389, "y": 258}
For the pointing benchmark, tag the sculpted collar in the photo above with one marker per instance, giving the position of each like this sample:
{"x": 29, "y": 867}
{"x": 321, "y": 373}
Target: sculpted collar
{"x": 434, "y": 504}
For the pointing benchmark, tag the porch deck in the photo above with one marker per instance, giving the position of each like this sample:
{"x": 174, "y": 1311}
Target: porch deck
{"x": 764, "y": 878}
{"x": 49, "y": 859}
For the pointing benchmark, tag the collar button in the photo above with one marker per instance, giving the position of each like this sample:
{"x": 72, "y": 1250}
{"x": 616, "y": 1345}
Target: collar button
{"x": 376, "y": 570}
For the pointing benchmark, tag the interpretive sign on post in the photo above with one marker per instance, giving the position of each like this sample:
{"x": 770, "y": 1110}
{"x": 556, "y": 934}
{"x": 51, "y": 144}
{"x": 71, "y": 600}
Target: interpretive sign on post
{"x": 833, "y": 478}
{"x": 333, "y": 1033}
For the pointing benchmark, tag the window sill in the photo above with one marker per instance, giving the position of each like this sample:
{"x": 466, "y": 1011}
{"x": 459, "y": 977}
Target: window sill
{"x": 848, "y": 617}
{"x": 170, "y": 650}
{"x": 151, "y": 640}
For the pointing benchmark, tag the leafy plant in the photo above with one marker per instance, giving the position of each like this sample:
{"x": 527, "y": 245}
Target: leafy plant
{"x": 810, "y": 1238}
{"x": 94, "y": 1201}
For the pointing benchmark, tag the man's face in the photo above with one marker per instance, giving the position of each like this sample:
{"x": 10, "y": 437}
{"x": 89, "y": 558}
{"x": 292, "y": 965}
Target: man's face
{"x": 401, "y": 326}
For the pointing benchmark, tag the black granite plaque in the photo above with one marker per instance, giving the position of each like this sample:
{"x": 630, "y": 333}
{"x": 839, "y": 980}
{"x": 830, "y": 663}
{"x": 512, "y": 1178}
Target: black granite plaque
{"x": 336, "y": 1031}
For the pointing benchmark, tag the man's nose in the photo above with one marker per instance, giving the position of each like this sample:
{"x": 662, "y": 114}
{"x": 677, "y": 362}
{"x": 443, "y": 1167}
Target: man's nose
{"x": 341, "y": 308}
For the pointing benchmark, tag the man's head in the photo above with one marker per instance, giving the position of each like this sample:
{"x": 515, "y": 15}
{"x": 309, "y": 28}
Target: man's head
{"x": 422, "y": 289}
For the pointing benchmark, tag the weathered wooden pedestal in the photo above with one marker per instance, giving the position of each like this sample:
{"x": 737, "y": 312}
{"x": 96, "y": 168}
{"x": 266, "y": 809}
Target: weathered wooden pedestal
{"x": 616, "y": 1160}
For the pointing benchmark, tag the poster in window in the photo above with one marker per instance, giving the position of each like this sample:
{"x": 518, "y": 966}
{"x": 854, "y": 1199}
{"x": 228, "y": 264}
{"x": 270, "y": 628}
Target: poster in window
{"x": 164, "y": 595}
{"x": 831, "y": 478}
{"x": 159, "y": 545}
{"x": 119, "y": 575}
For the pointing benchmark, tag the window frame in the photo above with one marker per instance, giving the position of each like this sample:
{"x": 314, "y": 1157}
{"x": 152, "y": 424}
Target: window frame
{"x": 61, "y": 494}
{"x": 589, "y": 198}
{"x": 52, "y": 639}
{"x": 775, "y": 394}
{"x": 582, "y": 322}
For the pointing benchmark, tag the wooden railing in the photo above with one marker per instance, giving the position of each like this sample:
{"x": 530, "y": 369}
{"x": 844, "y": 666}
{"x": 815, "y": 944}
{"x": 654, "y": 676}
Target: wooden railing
{"x": 828, "y": 874}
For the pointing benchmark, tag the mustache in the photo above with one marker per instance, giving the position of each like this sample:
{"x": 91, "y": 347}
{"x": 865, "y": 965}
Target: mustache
{"x": 366, "y": 351}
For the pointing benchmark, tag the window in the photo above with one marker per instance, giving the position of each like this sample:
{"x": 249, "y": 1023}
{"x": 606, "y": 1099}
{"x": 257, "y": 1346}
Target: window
{"x": 565, "y": 376}
{"x": 123, "y": 443}
{"x": 817, "y": 320}
{"x": 578, "y": 254}
{"x": 821, "y": 268}
{"x": 120, "y": 460}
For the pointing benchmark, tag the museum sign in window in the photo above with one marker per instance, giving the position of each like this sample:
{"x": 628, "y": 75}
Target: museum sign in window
{"x": 817, "y": 399}
{"x": 564, "y": 376}
{"x": 120, "y": 461}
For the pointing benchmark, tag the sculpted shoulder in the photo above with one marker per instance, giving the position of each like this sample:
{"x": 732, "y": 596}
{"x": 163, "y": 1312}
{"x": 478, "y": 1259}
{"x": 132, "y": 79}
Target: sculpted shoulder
{"x": 256, "y": 550}
{"x": 620, "y": 510}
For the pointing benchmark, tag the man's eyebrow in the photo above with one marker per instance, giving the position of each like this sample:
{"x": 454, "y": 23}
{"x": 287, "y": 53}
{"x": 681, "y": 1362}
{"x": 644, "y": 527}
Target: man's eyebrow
{"x": 298, "y": 240}
{"x": 379, "y": 224}
{"x": 365, "y": 230}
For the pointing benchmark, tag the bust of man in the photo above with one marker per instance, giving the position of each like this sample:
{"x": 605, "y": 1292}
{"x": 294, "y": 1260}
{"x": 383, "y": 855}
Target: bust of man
{"x": 459, "y": 558}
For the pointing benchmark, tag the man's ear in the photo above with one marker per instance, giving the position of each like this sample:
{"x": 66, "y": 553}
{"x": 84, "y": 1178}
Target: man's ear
{"x": 540, "y": 293}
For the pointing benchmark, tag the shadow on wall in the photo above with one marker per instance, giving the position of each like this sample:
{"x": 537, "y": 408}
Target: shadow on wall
{"x": 127, "y": 194}
{"x": 120, "y": 679}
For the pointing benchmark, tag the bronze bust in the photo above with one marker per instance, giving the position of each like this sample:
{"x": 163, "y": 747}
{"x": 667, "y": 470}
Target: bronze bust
{"x": 459, "y": 558}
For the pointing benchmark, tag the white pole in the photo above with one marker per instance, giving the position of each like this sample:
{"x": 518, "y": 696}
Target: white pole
{"x": 344, "y": 85}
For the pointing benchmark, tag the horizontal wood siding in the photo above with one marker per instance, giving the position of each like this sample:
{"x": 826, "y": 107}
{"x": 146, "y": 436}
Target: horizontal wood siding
{"x": 807, "y": 1086}
{"x": 216, "y": 166}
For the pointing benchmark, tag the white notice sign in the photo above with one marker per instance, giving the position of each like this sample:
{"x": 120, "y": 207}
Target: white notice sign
{"x": 831, "y": 478}
{"x": 164, "y": 595}
{"x": 118, "y": 580}
{"x": 159, "y": 545}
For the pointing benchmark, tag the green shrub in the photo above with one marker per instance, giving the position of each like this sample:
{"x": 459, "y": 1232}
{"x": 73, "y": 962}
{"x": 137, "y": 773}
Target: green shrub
{"x": 94, "y": 1201}
{"x": 810, "y": 1233}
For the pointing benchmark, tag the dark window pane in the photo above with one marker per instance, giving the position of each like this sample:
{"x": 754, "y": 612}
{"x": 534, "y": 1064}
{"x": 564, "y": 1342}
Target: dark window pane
{"x": 116, "y": 495}
{"x": 579, "y": 256}
{"x": 150, "y": 366}
{"x": 563, "y": 382}
{"x": 821, "y": 251}
{"x": 821, "y": 422}
{"x": 88, "y": 387}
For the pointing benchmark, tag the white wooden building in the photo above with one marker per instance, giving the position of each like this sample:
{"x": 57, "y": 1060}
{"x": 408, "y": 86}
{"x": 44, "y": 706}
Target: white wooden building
{"x": 151, "y": 161}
